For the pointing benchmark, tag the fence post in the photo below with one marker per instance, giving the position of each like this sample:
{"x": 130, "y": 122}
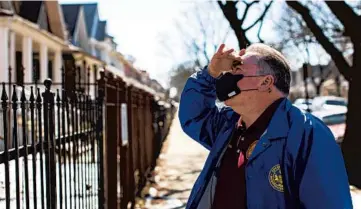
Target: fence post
{"x": 50, "y": 142}
{"x": 125, "y": 149}
{"x": 139, "y": 172}
{"x": 149, "y": 131}
{"x": 111, "y": 143}
{"x": 142, "y": 145}
{"x": 4, "y": 105}
{"x": 132, "y": 144}
{"x": 99, "y": 136}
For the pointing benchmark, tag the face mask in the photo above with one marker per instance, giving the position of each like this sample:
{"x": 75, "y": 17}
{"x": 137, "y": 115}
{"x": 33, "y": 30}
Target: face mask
{"x": 226, "y": 86}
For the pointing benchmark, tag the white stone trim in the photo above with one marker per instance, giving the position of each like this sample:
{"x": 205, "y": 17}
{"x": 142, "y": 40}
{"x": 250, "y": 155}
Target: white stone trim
{"x": 27, "y": 28}
{"x": 4, "y": 54}
{"x": 57, "y": 67}
{"x": 27, "y": 59}
{"x": 12, "y": 56}
{"x": 44, "y": 62}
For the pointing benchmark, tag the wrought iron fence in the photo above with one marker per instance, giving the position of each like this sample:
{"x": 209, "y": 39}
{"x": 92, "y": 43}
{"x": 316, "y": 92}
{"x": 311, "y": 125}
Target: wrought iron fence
{"x": 64, "y": 149}
{"x": 51, "y": 151}
{"x": 133, "y": 145}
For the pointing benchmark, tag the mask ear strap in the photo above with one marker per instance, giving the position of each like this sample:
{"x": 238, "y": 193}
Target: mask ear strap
{"x": 248, "y": 90}
{"x": 252, "y": 76}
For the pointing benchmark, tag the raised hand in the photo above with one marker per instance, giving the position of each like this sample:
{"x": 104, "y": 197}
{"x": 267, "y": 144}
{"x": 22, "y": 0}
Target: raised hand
{"x": 223, "y": 60}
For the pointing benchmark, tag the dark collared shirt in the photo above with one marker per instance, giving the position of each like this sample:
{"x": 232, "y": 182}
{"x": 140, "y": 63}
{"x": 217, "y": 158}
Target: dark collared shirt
{"x": 231, "y": 185}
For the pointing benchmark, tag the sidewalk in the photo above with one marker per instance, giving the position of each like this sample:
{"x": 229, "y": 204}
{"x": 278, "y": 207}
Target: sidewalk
{"x": 177, "y": 169}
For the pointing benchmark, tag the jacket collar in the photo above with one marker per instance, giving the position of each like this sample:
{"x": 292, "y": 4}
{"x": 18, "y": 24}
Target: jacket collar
{"x": 279, "y": 119}
{"x": 277, "y": 128}
{"x": 279, "y": 124}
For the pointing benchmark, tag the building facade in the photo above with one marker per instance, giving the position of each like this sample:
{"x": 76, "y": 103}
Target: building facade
{"x": 38, "y": 39}
{"x": 31, "y": 41}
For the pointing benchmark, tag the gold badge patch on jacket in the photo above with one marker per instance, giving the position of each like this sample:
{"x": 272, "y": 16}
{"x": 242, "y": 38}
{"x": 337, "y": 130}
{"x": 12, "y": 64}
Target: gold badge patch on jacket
{"x": 250, "y": 149}
{"x": 275, "y": 178}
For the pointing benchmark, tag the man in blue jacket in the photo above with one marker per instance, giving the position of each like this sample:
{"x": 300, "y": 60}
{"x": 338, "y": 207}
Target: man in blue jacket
{"x": 264, "y": 152}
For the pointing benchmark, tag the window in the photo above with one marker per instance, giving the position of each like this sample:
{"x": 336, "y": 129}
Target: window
{"x": 334, "y": 119}
{"x": 19, "y": 69}
{"x": 6, "y": 5}
{"x": 50, "y": 70}
{"x": 36, "y": 71}
{"x": 336, "y": 102}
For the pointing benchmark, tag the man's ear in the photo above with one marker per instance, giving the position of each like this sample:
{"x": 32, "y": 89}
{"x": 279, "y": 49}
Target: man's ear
{"x": 266, "y": 83}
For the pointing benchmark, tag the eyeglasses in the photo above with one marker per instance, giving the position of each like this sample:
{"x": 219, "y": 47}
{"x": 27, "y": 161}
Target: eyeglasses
{"x": 239, "y": 77}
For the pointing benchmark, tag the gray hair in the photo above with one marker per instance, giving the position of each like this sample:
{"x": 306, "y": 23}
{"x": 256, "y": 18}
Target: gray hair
{"x": 272, "y": 62}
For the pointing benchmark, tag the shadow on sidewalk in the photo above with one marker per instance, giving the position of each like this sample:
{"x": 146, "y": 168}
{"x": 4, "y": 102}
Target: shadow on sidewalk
{"x": 178, "y": 166}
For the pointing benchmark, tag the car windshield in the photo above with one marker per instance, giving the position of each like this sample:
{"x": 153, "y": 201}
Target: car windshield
{"x": 303, "y": 101}
{"x": 336, "y": 102}
{"x": 334, "y": 119}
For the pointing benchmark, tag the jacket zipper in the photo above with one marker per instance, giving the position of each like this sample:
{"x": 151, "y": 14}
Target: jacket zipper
{"x": 214, "y": 170}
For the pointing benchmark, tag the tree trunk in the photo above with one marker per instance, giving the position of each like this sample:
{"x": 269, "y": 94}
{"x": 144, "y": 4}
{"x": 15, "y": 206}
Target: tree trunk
{"x": 230, "y": 12}
{"x": 352, "y": 142}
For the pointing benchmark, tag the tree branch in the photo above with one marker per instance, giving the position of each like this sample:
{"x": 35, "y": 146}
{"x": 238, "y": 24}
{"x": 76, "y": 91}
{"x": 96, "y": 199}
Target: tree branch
{"x": 259, "y": 32}
{"x": 347, "y": 17}
{"x": 230, "y": 12}
{"x": 248, "y": 6}
{"x": 260, "y": 17}
{"x": 336, "y": 55}
{"x": 204, "y": 33}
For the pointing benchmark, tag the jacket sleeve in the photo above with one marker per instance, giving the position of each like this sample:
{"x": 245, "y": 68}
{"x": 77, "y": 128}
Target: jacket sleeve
{"x": 324, "y": 181}
{"x": 199, "y": 116}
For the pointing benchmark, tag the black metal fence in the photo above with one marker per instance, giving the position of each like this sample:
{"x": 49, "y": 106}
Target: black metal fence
{"x": 132, "y": 145}
{"x": 50, "y": 156}
{"x": 66, "y": 150}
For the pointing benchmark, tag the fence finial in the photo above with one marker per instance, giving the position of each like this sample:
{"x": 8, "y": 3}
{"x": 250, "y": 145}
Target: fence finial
{"x": 102, "y": 74}
{"x": 14, "y": 97}
{"x": 38, "y": 97}
{"x": 32, "y": 98}
{"x": 4, "y": 96}
{"x": 47, "y": 83}
{"x": 23, "y": 97}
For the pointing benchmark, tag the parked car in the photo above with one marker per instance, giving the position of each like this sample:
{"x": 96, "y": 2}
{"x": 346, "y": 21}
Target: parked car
{"x": 335, "y": 120}
{"x": 324, "y": 103}
{"x": 303, "y": 103}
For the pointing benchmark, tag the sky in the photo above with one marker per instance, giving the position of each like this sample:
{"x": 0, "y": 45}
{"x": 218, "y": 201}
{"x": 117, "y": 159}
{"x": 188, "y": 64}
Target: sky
{"x": 137, "y": 27}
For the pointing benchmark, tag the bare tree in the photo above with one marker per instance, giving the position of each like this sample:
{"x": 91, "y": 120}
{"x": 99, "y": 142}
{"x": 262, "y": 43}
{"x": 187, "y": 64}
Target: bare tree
{"x": 201, "y": 29}
{"x": 295, "y": 36}
{"x": 230, "y": 11}
{"x": 348, "y": 18}
{"x": 294, "y": 32}
{"x": 330, "y": 30}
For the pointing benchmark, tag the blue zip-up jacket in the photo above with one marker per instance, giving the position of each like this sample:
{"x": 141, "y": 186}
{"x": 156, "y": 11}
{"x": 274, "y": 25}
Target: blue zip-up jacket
{"x": 295, "y": 164}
